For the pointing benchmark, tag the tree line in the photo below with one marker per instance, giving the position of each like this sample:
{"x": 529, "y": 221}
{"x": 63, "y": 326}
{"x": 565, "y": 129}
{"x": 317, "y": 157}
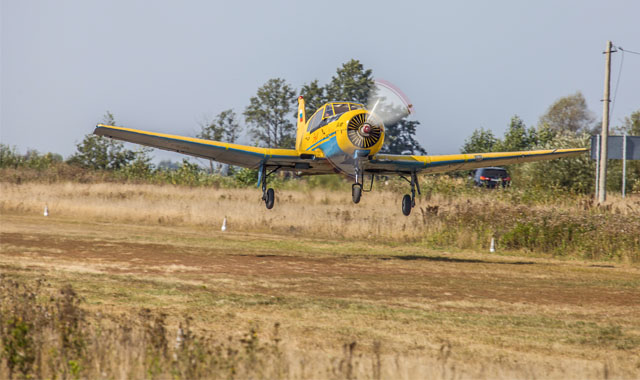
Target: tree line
{"x": 567, "y": 123}
{"x": 269, "y": 121}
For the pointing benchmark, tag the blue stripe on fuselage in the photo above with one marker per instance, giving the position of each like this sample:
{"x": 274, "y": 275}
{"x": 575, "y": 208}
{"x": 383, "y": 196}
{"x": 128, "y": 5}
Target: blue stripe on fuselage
{"x": 324, "y": 139}
{"x": 330, "y": 147}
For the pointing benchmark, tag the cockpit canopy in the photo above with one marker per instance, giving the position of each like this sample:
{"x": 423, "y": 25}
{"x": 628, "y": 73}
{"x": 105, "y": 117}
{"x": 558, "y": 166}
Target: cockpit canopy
{"x": 329, "y": 112}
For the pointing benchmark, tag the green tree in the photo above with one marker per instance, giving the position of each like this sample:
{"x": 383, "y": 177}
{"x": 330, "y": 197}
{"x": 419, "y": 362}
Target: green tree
{"x": 480, "y": 141}
{"x": 400, "y": 138}
{"x": 631, "y": 125}
{"x": 574, "y": 174}
{"x": 569, "y": 113}
{"x": 314, "y": 97}
{"x": 351, "y": 83}
{"x": 9, "y": 157}
{"x": 517, "y": 137}
{"x": 140, "y": 165}
{"x": 269, "y": 114}
{"x": 32, "y": 159}
{"x": 223, "y": 127}
{"x": 544, "y": 134}
{"x": 98, "y": 152}
{"x": 108, "y": 118}
{"x": 187, "y": 174}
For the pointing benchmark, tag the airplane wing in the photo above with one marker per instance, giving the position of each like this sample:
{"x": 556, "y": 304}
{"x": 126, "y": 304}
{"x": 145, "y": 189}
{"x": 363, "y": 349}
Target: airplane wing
{"x": 391, "y": 163}
{"x": 232, "y": 154}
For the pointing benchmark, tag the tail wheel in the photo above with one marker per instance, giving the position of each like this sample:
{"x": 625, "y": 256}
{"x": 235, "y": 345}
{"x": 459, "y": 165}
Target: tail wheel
{"x": 270, "y": 198}
{"x": 356, "y": 192}
{"x": 406, "y": 204}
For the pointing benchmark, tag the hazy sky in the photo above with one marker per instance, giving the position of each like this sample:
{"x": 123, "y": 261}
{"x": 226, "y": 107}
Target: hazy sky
{"x": 165, "y": 65}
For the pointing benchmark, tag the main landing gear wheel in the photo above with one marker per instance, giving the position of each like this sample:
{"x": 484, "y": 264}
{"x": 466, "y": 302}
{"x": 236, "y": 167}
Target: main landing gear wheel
{"x": 269, "y": 198}
{"x": 356, "y": 192}
{"x": 268, "y": 195}
{"x": 406, "y": 204}
{"x": 409, "y": 201}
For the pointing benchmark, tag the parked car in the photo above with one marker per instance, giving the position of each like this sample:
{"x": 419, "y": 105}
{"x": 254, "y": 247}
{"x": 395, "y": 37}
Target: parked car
{"x": 491, "y": 177}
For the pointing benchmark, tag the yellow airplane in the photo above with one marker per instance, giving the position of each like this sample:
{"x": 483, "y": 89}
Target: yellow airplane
{"x": 340, "y": 137}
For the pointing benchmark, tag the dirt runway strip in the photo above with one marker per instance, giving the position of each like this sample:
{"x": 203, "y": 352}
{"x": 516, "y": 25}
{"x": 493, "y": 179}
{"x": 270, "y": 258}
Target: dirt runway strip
{"x": 428, "y": 276}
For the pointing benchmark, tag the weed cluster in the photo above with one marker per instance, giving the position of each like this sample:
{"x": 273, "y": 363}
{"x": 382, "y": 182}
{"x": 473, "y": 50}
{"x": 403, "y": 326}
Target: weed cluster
{"x": 41, "y": 333}
{"x": 47, "y": 334}
{"x": 601, "y": 233}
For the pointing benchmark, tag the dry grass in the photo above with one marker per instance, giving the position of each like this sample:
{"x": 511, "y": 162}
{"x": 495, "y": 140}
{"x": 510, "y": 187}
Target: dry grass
{"x": 566, "y": 226}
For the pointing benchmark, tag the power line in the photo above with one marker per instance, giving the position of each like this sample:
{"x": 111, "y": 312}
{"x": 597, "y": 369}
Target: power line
{"x": 615, "y": 92}
{"x": 627, "y": 51}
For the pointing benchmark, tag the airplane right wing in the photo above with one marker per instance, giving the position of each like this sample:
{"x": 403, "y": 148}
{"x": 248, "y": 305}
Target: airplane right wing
{"x": 404, "y": 164}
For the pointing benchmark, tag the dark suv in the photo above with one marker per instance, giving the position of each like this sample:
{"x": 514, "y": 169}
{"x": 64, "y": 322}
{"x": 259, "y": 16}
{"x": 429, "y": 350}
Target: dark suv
{"x": 491, "y": 177}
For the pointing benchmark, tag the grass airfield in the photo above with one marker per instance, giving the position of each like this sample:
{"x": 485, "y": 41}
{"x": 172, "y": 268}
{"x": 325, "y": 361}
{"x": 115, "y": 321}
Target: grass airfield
{"x": 413, "y": 312}
{"x": 268, "y": 298}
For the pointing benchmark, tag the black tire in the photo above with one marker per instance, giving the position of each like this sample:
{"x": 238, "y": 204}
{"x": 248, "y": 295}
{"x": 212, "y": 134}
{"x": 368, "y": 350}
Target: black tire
{"x": 271, "y": 198}
{"x": 356, "y": 193}
{"x": 406, "y": 204}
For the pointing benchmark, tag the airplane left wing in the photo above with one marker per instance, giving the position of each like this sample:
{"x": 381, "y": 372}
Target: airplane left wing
{"x": 232, "y": 154}
{"x": 398, "y": 164}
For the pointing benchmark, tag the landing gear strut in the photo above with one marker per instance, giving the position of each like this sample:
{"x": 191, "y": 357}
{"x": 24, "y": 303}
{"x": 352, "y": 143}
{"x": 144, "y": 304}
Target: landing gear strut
{"x": 409, "y": 201}
{"x": 356, "y": 188}
{"x": 268, "y": 195}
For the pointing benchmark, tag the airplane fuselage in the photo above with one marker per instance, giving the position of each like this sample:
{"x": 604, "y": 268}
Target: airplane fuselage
{"x": 343, "y": 137}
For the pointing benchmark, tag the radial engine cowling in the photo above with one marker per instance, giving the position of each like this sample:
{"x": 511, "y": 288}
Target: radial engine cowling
{"x": 365, "y": 131}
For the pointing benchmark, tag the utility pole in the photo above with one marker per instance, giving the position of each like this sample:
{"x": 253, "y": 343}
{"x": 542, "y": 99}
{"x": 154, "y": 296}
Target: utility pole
{"x": 624, "y": 165}
{"x": 598, "y": 152}
{"x": 602, "y": 191}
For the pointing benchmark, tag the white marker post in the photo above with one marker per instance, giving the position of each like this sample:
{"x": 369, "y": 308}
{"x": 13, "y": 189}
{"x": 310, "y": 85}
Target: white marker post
{"x": 46, "y": 210}
{"x": 492, "y": 246}
{"x": 224, "y": 224}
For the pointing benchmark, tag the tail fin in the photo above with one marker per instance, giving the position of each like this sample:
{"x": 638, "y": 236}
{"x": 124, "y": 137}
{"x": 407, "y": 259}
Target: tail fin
{"x": 302, "y": 122}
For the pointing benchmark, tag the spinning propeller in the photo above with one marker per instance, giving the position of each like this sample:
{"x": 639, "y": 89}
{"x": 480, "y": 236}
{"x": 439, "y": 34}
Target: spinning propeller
{"x": 386, "y": 105}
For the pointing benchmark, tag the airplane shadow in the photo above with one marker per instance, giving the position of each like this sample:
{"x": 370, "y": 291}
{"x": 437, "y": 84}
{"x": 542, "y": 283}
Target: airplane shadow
{"x": 455, "y": 260}
{"x": 416, "y": 257}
